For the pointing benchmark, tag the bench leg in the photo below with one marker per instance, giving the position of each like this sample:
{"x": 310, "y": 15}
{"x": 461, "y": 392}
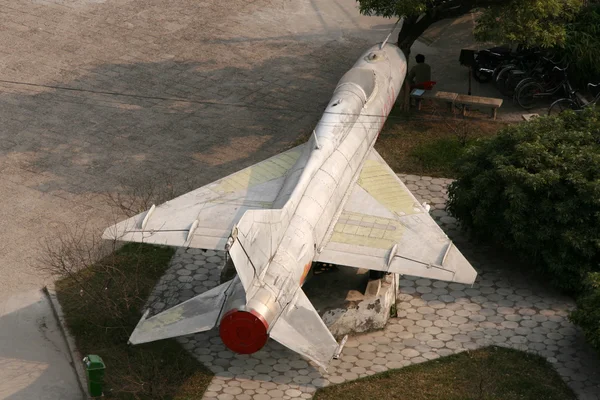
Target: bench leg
{"x": 464, "y": 110}
{"x": 494, "y": 113}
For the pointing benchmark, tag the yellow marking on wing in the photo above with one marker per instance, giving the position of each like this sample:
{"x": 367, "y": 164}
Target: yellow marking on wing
{"x": 377, "y": 233}
{"x": 382, "y": 221}
{"x": 364, "y": 230}
{"x": 362, "y": 241}
{"x": 354, "y": 217}
{"x": 350, "y": 229}
{"x": 376, "y": 179}
{"x": 262, "y": 172}
{"x": 161, "y": 320}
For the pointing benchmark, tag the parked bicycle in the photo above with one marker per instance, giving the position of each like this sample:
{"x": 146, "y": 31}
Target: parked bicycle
{"x": 521, "y": 63}
{"x": 486, "y": 62}
{"x": 574, "y": 101}
{"x": 541, "y": 73}
{"x": 528, "y": 64}
{"x": 530, "y": 93}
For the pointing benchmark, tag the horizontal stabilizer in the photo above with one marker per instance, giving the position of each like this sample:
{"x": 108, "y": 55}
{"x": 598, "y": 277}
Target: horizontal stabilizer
{"x": 301, "y": 329}
{"x": 198, "y": 314}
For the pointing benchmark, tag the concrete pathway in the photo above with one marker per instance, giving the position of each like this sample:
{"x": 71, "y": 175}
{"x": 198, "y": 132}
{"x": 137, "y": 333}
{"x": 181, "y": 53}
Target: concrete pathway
{"x": 504, "y": 307}
{"x": 34, "y": 361}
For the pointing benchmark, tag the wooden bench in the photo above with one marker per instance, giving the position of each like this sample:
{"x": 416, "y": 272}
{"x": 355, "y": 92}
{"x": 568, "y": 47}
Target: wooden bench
{"x": 452, "y": 99}
{"x": 478, "y": 101}
{"x": 443, "y": 97}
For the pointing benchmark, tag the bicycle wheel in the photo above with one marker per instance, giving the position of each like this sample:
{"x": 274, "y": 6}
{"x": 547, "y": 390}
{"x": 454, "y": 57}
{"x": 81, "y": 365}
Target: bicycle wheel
{"x": 527, "y": 94}
{"x": 561, "y": 105}
{"x": 513, "y": 78}
{"x": 500, "y": 69}
{"x": 502, "y": 77}
{"x": 497, "y": 71}
{"x": 521, "y": 83}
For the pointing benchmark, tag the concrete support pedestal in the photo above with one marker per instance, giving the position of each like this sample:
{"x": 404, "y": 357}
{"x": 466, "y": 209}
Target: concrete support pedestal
{"x": 349, "y": 302}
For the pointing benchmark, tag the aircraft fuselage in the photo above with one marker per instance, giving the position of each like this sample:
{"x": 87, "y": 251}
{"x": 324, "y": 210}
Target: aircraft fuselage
{"x": 316, "y": 188}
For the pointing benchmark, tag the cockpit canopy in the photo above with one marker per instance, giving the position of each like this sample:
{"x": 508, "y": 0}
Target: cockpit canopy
{"x": 360, "y": 81}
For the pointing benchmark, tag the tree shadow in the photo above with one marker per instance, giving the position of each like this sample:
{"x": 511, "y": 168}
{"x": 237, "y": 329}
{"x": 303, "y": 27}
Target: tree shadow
{"x": 35, "y": 365}
{"x": 189, "y": 119}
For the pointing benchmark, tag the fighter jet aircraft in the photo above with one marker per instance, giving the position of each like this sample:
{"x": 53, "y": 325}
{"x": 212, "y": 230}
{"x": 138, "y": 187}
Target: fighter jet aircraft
{"x": 332, "y": 199}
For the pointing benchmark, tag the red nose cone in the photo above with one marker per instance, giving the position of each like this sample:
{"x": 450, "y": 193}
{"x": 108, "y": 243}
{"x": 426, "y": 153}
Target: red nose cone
{"x": 243, "y": 332}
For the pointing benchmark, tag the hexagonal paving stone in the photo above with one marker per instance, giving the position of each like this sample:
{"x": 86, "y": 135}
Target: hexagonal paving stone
{"x": 439, "y": 319}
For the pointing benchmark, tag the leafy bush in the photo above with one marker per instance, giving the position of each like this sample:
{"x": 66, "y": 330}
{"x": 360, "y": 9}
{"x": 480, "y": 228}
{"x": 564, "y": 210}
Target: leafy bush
{"x": 534, "y": 189}
{"x": 587, "y": 314}
{"x": 580, "y": 48}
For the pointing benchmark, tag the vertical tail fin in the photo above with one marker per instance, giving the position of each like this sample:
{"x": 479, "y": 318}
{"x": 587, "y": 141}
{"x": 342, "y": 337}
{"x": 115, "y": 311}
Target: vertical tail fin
{"x": 259, "y": 233}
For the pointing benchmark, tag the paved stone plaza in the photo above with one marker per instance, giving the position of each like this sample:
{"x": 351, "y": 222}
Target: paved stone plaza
{"x": 435, "y": 319}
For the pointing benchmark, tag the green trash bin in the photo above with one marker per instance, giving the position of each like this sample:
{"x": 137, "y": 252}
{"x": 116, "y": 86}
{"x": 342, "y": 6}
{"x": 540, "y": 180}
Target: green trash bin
{"x": 94, "y": 368}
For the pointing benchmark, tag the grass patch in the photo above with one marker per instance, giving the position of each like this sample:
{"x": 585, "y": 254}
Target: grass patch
{"x": 425, "y": 145}
{"x": 439, "y": 156}
{"x": 492, "y": 373}
{"x": 102, "y": 305}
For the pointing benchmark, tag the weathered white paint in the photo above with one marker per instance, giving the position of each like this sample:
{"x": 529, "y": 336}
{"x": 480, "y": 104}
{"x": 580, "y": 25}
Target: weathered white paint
{"x": 332, "y": 199}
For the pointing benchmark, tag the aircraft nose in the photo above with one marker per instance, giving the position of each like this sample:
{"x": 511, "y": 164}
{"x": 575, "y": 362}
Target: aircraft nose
{"x": 244, "y": 332}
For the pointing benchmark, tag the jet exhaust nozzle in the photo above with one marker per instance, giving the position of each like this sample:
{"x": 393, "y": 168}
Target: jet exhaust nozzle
{"x": 244, "y": 332}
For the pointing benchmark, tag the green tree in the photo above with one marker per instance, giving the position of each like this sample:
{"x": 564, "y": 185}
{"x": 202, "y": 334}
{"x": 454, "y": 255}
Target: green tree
{"x": 531, "y": 22}
{"x": 534, "y": 189}
{"x": 581, "y": 45}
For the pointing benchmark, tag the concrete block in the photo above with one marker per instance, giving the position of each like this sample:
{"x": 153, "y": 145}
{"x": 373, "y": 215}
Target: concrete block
{"x": 338, "y": 297}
